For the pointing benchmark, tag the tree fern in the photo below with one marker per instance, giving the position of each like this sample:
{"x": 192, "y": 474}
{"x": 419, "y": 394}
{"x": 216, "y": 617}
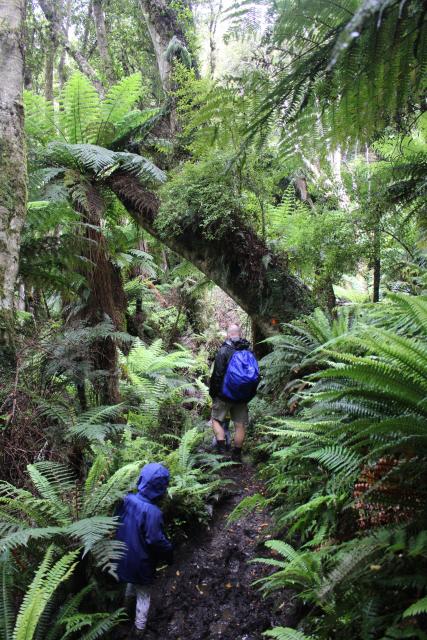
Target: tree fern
{"x": 364, "y": 76}
{"x": 118, "y": 102}
{"x": 80, "y": 110}
{"x": 101, "y": 162}
{"x": 135, "y": 125}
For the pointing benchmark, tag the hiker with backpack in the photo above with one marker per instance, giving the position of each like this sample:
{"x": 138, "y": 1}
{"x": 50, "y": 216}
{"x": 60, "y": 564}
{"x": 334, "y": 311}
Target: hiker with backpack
{"x": 233, "y": 384}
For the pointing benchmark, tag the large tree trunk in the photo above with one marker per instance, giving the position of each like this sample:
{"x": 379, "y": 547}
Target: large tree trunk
{"x": 12, "y": 156}
{"x": 164, "y": 26}
{"x": 256, "y": 278}
{"x": 62, "y": 71}
{"x": 49, "y": 67}
{"x": 101, "y": 37}
{"x": 54, "y": 19}
{"x": 215, "y": 9}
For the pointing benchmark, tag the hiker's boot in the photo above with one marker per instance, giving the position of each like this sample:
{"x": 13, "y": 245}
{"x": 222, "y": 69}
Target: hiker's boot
{"x": 236, "y": 454}
{"x": 227, "y": 439}
{"x": 220, "y": 447}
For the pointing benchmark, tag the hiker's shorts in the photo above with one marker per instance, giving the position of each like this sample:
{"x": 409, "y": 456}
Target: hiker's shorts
{"x": 238, "y": 411}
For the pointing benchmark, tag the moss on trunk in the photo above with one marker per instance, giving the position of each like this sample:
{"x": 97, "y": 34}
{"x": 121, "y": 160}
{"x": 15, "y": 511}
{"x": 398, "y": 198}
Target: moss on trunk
{"x": 13, "y": 177}
{"x": 255, "y": 277}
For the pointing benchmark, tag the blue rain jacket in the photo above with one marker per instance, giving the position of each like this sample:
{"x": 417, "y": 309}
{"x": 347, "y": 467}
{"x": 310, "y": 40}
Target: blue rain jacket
{"x": 141, "y": 528}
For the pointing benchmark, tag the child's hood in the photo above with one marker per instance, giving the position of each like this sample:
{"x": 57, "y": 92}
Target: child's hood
{"x": 153, "y": 481}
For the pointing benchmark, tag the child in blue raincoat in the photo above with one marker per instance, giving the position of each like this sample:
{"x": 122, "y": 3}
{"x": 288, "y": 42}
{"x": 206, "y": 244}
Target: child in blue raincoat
{"x": 141, "y": 529}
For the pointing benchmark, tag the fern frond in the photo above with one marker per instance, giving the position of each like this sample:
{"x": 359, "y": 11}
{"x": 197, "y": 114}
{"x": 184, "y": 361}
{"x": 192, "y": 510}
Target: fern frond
{"x": 103, "y": 495}
{"x": 40, "y": 123}
{"x": 337, "y": 459}
{"x": 347, "y": 565}
{"x": 416, "y": 609}
{"x": 247, "y": 506}
{"x": 285, "y": 549}
{"x": 48, "y": 577}
{"x": 51, "y": 479}
{"x": 6, "y": 604}
{"x": 90, "y": 531}
{"x": 117, "y": 104}
{"x": 66, "y": 611}
{"x": 23, "y": 536}
{"x": 80, "y": 110}
{"x": 286, "y": 633}
{"x": 100, "y": 624}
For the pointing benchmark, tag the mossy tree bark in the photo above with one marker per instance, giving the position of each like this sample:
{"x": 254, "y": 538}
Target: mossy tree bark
{"x": 245, "y": 268}
{"x": 162, "y": 24}
{"x": 256, "y": 278}
{"x": 13, "y": 192}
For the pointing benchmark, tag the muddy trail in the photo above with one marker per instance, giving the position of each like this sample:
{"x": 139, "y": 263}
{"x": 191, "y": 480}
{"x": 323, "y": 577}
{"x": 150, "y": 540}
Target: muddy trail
{"x": 208, "y": 593}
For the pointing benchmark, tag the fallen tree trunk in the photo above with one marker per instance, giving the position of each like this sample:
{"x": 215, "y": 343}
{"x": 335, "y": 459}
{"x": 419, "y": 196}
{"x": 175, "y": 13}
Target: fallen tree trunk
{"x": 255, "y": 277}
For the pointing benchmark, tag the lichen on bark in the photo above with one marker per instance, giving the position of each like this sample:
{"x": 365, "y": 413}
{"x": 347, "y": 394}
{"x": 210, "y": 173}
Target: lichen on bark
{"x": 12, "y": 157}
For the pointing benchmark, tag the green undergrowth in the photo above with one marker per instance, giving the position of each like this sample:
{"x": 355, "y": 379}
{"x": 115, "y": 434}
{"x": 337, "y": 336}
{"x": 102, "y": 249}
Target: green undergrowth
{"x": 344, "y": 473}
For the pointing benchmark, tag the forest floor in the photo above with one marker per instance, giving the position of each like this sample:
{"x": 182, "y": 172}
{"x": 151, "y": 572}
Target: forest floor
{"x": 209, "y": 593}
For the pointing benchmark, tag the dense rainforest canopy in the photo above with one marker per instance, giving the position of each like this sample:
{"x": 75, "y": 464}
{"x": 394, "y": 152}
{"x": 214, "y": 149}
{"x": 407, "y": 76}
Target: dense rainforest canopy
{"x": 168, "y": 168}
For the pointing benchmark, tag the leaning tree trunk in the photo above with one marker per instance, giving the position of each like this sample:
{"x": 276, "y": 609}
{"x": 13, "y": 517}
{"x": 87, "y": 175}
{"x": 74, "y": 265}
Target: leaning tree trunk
{"x": 255, "y": 277}
{"x": 12, "y": 157}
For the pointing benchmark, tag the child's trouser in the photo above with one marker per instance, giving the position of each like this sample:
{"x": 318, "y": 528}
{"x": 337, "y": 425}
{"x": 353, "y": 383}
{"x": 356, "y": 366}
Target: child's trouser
{"x": 143, "y": 598}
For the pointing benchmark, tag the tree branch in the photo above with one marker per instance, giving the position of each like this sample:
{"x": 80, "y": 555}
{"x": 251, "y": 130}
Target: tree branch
{"x": 79, "y": 58}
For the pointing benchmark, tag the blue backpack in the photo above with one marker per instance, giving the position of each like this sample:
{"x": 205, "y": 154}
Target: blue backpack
{"x": 242, "y": 377}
